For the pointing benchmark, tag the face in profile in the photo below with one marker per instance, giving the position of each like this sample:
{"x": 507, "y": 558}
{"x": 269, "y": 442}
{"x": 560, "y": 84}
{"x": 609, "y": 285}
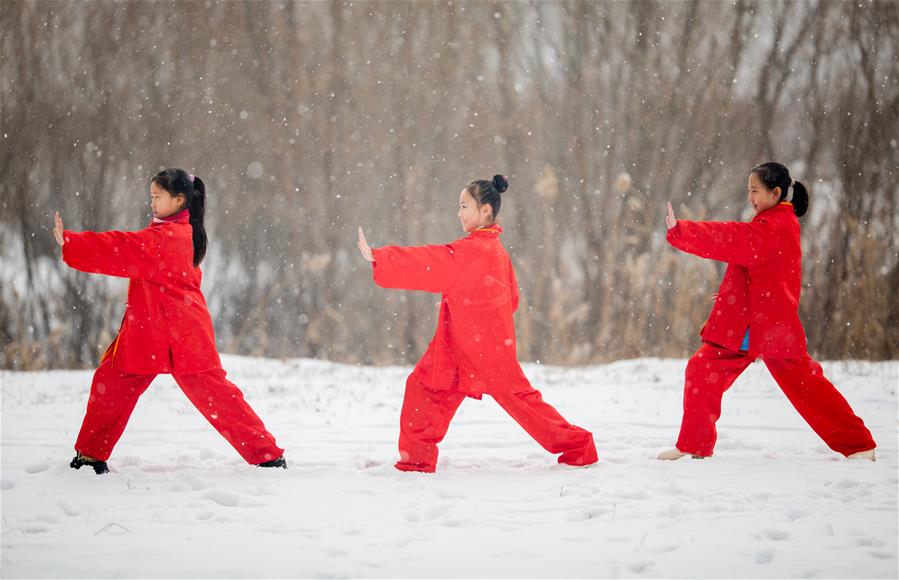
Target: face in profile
{"x": 471, "y": 214}
{"x": 163, "y": 203}
{"x": 759, "y": 196}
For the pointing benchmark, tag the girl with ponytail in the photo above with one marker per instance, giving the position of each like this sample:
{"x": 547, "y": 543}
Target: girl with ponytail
{"x": 166, "y": 328}
{"x": 473, "y": 351}
{"x": 756, "y": 315}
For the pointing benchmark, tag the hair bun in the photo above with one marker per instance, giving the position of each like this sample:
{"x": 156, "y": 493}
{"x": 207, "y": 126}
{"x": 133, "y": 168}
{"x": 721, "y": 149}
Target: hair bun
{"x": 501, "y": 183}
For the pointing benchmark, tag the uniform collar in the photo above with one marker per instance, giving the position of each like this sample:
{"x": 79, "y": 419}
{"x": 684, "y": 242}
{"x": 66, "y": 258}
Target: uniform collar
{"x": 182, "y": 217}
{"x": 782, "y": 206}
{"x": 487, "y": 231}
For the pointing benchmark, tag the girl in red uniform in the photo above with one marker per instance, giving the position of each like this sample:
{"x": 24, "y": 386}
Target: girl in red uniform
{"x": 166, "y": 328}
{"x": 473, "y": 351}
{"x": 756, "y": 314}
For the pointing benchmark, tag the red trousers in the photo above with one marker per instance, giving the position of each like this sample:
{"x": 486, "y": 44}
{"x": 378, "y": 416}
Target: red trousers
{"x": 713, "y": 369}
{"x": 427, "y": 413}
{"x": 114, "y": 395}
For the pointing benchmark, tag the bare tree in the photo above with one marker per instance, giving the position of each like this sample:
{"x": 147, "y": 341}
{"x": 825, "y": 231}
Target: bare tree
{"x": 308, "y": 119}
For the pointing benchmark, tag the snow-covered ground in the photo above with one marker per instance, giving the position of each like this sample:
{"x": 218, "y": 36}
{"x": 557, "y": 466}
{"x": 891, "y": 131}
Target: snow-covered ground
{"x": 773, "y": 502}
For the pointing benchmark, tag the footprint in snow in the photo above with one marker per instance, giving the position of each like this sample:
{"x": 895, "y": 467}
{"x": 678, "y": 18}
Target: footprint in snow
{"x": 869, "y": 541}
{"x": 223, "y": 498}
{"x": 639, "y": 567}
{"x": 590, "y": 514}
{"x": 67, "y": 509}
{"x": 776, "y": 535}
{"x": 796, "y": 513}
{"x": 34, "y": 529}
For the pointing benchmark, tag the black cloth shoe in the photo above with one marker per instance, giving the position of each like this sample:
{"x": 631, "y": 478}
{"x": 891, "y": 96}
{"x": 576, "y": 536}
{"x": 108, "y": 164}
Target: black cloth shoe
{"x": 279, "y": 462}
{"x": 80, "y": 461}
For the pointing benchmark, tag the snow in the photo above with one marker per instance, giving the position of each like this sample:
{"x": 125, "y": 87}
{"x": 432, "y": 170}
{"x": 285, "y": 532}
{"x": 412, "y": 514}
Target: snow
{"x": 773, "y": 501}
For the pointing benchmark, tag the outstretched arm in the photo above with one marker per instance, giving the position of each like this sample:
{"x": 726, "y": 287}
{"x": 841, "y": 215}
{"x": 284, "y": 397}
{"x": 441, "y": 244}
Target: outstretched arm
{"x": 123, "y": 254}
{"x": 738, "y": 243}
{"x": 431, "y": 268}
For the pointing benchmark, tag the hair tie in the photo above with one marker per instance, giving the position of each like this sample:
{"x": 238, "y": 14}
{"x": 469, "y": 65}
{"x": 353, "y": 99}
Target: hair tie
{"x": 790, "y": 189}
{"x": 190, "y": 177}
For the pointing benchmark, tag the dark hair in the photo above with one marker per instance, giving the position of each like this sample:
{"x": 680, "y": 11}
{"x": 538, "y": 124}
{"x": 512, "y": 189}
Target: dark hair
{"x": 773, "y": 174}
{"x": 179, "y": 182}
{"x": 488, "y": 192}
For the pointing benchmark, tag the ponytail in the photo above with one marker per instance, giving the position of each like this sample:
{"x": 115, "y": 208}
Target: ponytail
{"x": 179, "y": 182}
{"x": 197, "y": 206}
{"x": 800, "y": 199}
{"x": 773, "y": 174}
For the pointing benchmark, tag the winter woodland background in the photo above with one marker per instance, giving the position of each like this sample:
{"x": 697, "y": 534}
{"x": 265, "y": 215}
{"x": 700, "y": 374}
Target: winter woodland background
{"x": 308, "y": 119}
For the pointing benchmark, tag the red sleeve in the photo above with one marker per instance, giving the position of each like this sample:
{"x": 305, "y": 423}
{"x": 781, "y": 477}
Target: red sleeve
{"x": 738, "y": 243}
{"x": 426, "y": 268}
{"x": 124, "y": 254}
{"x": 513, "y": 285}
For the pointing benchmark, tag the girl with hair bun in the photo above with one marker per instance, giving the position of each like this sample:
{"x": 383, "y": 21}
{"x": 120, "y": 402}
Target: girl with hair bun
{"x": 166, "y": 328}
{"x": 473, "y": 351}
{"x": 756, "y": 315}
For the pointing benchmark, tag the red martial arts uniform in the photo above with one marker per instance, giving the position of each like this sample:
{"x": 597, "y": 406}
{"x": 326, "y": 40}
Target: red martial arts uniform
{"x": 759, "y": 294}
{"x": 166, "y": 329}
{"x": 473, "y": 351}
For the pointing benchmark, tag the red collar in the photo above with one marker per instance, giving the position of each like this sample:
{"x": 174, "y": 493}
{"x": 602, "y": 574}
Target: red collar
{"x": 487, "y": 231}
{"x": 182, "y": 217}
{"x": 782, "y": 206}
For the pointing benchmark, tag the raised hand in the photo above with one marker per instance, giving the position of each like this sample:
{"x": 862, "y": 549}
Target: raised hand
{"x": 58, "y": 229}
{"x": 364, "y": 247}
{"x": 670, "y": 220}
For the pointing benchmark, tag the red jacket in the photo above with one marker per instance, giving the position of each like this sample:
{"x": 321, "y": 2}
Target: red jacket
{"x": 473, "y": 349}
{"x": 166, "y": 327}
{"x": 761, "y": 286}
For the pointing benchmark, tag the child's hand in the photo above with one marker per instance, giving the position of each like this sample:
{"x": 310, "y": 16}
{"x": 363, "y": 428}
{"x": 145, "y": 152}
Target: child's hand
{"x": 364, "y": 247}
{"x": 670, "y": 220}
{"x": 58, "y": 229}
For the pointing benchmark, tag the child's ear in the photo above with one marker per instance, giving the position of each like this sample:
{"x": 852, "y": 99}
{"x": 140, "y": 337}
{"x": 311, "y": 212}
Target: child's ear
{"x": 777, "y": 192}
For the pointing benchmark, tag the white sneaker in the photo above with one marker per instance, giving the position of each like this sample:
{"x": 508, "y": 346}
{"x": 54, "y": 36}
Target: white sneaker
{"x": 671, "y": 454}
{"x": 863, "y": 455}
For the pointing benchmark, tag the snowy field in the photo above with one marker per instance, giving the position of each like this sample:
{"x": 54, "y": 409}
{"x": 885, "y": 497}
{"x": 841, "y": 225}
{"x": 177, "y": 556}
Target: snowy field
{"x": 774, "y": 501}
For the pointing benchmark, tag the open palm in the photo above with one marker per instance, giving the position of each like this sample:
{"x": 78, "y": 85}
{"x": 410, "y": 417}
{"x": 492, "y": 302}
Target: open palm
{"x": 364, "y": 247}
